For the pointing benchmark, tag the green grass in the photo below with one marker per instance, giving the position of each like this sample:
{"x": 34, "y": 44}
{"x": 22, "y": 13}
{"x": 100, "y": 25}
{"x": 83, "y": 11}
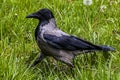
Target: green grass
{"x": 18, "y": 48}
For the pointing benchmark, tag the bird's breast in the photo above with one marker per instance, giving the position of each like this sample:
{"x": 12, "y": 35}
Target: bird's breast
{"x": 46, "y": 49}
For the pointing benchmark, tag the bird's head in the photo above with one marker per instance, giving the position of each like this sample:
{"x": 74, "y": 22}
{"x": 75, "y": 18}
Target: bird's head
{"x": 42, "y": 15}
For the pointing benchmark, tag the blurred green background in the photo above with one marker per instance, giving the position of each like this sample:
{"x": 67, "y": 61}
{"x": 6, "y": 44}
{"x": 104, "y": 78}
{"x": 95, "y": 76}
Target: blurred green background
{"x": 98, "y": 23}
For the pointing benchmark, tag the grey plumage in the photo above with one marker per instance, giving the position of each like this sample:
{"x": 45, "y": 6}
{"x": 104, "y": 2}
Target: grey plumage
{"x": 58, "y": 44}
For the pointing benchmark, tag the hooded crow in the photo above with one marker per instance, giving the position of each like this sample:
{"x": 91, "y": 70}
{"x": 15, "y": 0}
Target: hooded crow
{"x": 58, "y": 44}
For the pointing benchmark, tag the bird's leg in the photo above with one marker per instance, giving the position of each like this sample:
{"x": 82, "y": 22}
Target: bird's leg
{"x": 38, "y": 60}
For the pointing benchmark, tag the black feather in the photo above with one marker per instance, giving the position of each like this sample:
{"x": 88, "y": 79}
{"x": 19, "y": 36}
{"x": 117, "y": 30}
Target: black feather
{"x": 69, "y": 43}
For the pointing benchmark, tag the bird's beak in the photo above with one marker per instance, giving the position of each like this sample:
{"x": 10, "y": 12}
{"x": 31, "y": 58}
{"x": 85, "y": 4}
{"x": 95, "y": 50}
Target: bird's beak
{"x": 31, "y": 16}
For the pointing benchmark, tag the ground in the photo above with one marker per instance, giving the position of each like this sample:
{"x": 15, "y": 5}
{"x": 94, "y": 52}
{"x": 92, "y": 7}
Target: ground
{"x": 98, "y": 23}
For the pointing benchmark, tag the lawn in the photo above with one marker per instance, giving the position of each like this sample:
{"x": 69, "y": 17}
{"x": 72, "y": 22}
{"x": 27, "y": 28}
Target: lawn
{"x": 98, "y": 23}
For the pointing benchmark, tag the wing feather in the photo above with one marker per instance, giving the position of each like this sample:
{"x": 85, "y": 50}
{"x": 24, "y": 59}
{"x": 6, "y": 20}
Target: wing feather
{"x": 68, "y": 42}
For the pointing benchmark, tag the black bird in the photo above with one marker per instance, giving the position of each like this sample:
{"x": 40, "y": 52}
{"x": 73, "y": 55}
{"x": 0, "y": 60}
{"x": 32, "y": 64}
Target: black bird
{"x": 58, "y": 44}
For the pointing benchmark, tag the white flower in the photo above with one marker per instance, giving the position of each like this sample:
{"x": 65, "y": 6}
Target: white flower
{"x": 102, "y": 8}
{"x": 87, "y": 2}
{"x": 16, "y": 14}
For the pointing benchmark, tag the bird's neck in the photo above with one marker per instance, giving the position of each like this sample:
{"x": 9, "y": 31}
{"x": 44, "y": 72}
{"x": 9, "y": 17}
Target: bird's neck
{"x": 52, "y": 21}
{"x": 46, "y": 25}
{"x": 43, "y": 23}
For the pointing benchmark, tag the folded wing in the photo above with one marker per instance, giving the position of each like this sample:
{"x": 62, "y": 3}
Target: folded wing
{"x": 69, "y": 43}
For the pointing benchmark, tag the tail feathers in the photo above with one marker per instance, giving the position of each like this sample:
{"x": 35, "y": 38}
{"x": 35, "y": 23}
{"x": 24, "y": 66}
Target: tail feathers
{"x": 107, "y": 48}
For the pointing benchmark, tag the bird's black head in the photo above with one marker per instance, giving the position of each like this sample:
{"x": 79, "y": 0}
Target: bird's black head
{"x": 43, "y": 14}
